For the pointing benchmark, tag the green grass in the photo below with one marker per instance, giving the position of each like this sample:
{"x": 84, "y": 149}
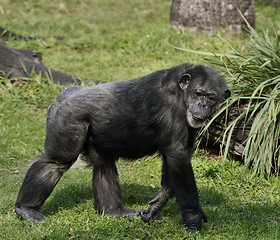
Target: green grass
{"x": 110, "y": 40}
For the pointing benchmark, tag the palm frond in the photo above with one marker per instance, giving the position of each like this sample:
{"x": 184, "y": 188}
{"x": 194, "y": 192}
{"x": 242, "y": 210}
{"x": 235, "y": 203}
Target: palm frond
{"x": 254, "y": 78}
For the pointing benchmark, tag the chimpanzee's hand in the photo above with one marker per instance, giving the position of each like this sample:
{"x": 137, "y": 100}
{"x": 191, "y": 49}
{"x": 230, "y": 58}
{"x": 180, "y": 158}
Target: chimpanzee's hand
{"x": 156, "y": 204}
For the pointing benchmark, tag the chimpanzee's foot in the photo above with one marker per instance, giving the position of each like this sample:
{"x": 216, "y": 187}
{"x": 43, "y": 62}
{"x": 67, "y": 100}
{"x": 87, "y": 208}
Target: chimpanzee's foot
{"x": 123, "y": 212}
{"x": 30, "y": 214}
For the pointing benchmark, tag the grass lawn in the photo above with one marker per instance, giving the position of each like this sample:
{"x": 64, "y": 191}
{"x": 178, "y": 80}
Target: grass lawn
{"x": 110, "y": 40}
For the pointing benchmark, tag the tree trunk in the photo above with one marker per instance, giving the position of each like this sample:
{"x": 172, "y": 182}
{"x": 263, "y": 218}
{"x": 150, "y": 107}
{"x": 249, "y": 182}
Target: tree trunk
{"x": 19, "y": 63}
{"x": 211, "y": 15}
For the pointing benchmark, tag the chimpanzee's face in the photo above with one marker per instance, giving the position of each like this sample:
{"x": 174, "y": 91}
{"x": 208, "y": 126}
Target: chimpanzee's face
{"x": 202, "y": 103}
{"x": 203, "y": 92}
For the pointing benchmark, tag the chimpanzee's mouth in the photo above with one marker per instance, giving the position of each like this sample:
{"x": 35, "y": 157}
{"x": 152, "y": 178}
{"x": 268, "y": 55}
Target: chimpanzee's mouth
{"x": 193, "y": 121}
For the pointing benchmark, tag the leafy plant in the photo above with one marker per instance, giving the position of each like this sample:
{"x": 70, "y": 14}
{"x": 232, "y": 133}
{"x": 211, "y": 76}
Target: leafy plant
{"x": 254, "y": 77}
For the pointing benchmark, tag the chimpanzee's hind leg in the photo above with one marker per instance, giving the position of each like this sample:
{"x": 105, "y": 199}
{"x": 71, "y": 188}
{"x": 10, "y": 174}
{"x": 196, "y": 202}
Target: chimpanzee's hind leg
{"x": 61, "y": 151}
{"x": 38, "y": 184}
{"x": 106, "y": 187}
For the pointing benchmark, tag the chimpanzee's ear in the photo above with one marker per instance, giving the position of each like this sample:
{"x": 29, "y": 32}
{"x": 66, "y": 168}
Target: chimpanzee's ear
{"x": 184, "y": 81}
{"x": 227, "y": 94}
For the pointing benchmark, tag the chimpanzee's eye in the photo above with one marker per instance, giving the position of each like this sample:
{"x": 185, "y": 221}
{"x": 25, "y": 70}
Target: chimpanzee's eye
{"x": 198, "y": 93}
{"x": 212, "y": 98}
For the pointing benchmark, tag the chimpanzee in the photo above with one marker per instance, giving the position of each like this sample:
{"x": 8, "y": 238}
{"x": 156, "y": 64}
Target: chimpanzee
{"x": 160, "y": 112}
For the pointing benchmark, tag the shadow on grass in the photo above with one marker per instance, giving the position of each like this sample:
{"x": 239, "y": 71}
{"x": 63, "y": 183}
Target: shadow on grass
{"x": 73, "y": 194}
{"x": 133, "y": 194}
{"x": 223, "y": 212}
{"x": 67, "y": 197}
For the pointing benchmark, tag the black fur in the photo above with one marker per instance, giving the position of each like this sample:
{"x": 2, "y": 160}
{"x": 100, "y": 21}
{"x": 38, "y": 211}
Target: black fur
{"x": 159, "y": 112}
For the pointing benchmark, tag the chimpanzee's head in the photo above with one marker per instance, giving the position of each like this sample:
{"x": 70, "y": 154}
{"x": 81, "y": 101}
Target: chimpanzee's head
{"x": 204, "y": 89}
